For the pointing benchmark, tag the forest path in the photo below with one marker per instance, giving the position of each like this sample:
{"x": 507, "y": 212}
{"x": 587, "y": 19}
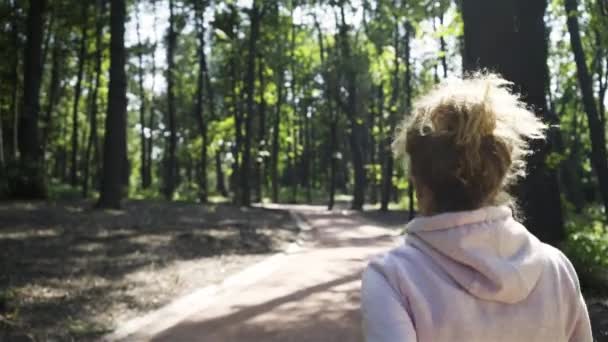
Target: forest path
{"x": 310, "y": 293}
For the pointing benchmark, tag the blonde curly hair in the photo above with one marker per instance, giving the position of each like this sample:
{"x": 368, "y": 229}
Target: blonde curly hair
{"x": 467, "y": 140}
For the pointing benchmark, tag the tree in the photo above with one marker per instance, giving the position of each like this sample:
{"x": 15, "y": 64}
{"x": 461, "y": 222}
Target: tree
{"x": 171, "y": 159}
{"x": 32, "y": 182}
{"x": 521, "y": 57}
{"x": 199, "y": 112}
{"x": 349, "y": 107}
{"x": 255, "y": 15}
{"x": 144, "y": 175}
{"x": 77, "y": 90}
{"x": 599, "y": 157}
{"x": 93, "y": 141}
{"x": 115, "y": 141}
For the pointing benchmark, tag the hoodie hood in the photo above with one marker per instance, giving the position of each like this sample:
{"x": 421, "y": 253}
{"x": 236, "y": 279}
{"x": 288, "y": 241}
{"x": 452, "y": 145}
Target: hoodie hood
{"x": 485, "y": 251}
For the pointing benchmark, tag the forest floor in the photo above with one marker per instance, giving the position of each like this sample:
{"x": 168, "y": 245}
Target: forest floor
{"x": 71, "y": 273}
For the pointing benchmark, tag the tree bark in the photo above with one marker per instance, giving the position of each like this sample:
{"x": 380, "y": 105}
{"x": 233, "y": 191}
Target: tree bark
{"x": 596, "y": 127}
{"x": 350, "y": 108}
{"x": 145, "y": 181}
{"x": 171, "y": 160}
{"x": 53, "y": 92}
{"x": 14, "y": 79}
{"x": 521, "y": 57}
{"x": 92, "y": 143}
{"x": 115, "y": 142}
{"x": 77, "y": 91}
{"x": 388, "y": 165}
{"x": 275, "y": 138}
{"x": 199, "y": 111}
{"x": 408, "y": 103}
{"x": 32, "y": 181}
{"x": 254, "y": 16}
{"x": 261, "y": 139}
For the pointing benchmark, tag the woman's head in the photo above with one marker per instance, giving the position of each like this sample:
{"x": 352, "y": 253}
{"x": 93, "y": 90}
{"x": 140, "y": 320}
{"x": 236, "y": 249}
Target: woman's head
{"x": 466, "y": 141}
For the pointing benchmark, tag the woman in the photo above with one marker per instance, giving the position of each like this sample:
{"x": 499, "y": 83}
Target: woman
{"x": 468, "y": 270}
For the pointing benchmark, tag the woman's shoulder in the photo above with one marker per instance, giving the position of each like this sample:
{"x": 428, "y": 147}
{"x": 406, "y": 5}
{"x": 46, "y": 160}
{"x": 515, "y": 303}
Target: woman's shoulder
{"x": 395, "y": 264}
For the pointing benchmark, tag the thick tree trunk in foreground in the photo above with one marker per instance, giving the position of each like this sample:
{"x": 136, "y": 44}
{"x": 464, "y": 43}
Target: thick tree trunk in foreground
{"x": 521, "y": 57}
{"x": 255, "y": 15}
{"x": 115, "y": 142}
{"x": 31, "y": 184}
{"x": 596, "y": 126}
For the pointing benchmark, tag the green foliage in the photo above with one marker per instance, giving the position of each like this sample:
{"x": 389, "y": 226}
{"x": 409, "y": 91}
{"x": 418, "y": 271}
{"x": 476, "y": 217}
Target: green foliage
{"x": 587, "y": 246}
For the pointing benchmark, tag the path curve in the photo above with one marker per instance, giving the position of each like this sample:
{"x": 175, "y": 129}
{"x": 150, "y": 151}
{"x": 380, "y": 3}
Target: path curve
{"x": 310, "y": 293}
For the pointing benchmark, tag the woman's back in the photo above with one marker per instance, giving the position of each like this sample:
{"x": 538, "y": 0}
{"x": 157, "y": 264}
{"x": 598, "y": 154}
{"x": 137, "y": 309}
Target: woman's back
{"x": 473, "y": 276}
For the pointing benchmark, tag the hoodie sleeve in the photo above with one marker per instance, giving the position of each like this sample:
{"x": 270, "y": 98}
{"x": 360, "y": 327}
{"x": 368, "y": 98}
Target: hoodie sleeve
{"x": 579, "y": 326}
{"x": 385, "y": 319}
{"x": 581, "y": 329}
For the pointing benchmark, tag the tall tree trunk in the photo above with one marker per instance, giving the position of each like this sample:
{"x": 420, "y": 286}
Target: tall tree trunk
{"x": 14, "y": 79}
{"x": 261, "y": 139}
{"x": 350, "y": 108}
{"x": 275, "y": 137}
{"x": 92, "y": 143}
{"x": 171, "y": 159}
{"x": 115, "y": 142}
{"x": 77, "y": 91}
{"x": 408, "y": 102}
{"x": 32, "y": 182}
{"x": 521, "y": 58}
{"x": 53, "y": 92}
{"x": 333, "y": 139}
{"x": 254, "y": 17}
{"x": 596, "y": 127}
{"x": 292, "y": 158}
{"x": 443, "y": 48}
{"x": 152, "y": 114}
{"x": 199, "y": 112}
{"x": 145, "y": 181}
{"x": 387, "y": 166}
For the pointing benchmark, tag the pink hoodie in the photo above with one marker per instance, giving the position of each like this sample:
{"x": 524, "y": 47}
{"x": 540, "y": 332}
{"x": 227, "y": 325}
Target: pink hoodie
{"x": 472, "y": 276}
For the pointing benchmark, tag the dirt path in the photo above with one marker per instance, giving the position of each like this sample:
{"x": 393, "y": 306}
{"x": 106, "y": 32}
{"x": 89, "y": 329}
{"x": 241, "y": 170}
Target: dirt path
{"x": 308, "y": 294}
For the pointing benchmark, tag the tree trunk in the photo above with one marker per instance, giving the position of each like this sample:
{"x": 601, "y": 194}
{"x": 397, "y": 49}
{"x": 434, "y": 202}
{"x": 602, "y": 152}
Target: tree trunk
{"x": 275, "y": 138}
{"x": 171, "y": 160}
{"x": 145, "y": 181}
{"x": 596, "y": 127}
{"x": 521, "y": 57}
{"x": 199, "y": 112}
{"x": 333, "y": 138}
{"x": 408, "y": 103}
{"x": 14, "y": 79}
{"x": 77, "y": 91}
{"x": 260, "y": 159}
{"x": 387, "y": 166}
{"x": 254, "y": 17}
{"x": 92, "y": 143}
{"x": 350, "y": 108}
{"x": 115, "y": 142}
{"x": 152, "y": 114}
{"x": 32, "y": 180}
{"x": 443, "y": 48}
{"x": 53, "y": 92}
